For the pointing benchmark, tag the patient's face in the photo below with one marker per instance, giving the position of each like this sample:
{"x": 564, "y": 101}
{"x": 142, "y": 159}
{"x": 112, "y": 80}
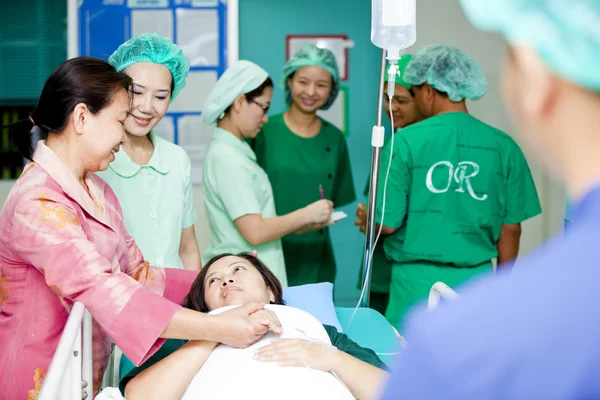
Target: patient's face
{"x": 234, "y": 281}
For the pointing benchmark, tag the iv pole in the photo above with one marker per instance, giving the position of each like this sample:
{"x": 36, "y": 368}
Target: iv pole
{"x": 373, "y": 188}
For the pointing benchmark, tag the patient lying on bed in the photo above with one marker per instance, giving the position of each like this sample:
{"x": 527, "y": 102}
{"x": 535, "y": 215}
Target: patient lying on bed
{"x": 329, "y": 364}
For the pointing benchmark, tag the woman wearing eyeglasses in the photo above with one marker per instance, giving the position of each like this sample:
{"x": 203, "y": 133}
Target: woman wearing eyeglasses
{"x": 237, "y": 192}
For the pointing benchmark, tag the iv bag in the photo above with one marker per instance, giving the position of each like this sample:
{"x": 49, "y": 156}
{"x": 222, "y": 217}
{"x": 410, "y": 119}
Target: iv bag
{"x": 393, "y": 25}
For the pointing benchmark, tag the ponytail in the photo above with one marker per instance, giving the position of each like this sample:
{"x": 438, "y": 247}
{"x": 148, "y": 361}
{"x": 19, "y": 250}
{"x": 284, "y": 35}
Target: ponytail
{"x": 20, "y": 137}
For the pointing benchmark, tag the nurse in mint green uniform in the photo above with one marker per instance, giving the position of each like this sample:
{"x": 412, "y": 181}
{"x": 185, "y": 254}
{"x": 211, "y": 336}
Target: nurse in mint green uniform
{"x": 237, "y": 192}
{"x": 458, "y": 188}
{"x": 150, "y": 175}
{"x": 302, "y": 153}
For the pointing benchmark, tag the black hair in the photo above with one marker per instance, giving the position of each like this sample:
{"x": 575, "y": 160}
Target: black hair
{"x": 251, "y": 95}
{"x": 259, "y": 90}
{"x": 86, "y": 80}
{"x": 443, "y": 94}
{"x": 195, "y": 299}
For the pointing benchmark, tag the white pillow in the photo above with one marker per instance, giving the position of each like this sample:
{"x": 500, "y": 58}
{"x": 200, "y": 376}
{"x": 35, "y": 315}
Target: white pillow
{"x": 233, "y": 373}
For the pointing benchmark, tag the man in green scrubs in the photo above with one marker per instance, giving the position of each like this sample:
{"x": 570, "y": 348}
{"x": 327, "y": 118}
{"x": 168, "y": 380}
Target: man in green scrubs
{"x": 458, "y": 188}
{"x": 404, "y": 112}
{"x": 302, "y": 153}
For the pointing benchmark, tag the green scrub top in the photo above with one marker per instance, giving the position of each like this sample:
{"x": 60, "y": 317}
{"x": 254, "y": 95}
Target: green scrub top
{"x": 297, "y": 167}
{"x": 234, "y": 186}
{"x": 453, "y": 183}
{"x": 381, "y": 266}
{"x": 339, "y": 340}
{"x": 156, "y": 198}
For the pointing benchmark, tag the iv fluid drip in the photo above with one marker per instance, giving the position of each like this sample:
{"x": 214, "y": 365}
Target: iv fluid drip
{"x": 393, "y": 26}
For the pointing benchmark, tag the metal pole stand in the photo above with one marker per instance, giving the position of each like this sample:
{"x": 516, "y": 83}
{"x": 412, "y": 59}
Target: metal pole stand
{"x": 377, "y": 140}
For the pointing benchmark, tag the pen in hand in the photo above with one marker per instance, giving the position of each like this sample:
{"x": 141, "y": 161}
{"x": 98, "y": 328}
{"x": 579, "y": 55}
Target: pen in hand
{"x": 321, "y": 193}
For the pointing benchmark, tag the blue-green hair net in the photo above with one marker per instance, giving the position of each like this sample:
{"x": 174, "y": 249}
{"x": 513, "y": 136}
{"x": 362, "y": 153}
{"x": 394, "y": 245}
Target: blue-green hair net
{"x": 311, "y": 55}
{"x": 153, "y": 48}
{"x": 402, "y": 64}
{"x": 241, "y": 78}
{"x": 565, "y": 33}
{"x": 448, "y": 70}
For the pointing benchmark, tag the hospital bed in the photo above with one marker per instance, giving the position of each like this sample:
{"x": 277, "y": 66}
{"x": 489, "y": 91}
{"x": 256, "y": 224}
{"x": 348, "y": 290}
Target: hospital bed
{"x": 72, "y": 361}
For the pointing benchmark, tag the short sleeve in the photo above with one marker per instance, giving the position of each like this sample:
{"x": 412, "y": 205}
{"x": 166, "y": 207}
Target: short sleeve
{"x": 522, "y": 198}
{"x": 235, "y": 186}
{"x": 344, "y": 187}
{"x": 395, "y": 193}
{"x": 189, "y": 213}
{"x": 343, "y": 343}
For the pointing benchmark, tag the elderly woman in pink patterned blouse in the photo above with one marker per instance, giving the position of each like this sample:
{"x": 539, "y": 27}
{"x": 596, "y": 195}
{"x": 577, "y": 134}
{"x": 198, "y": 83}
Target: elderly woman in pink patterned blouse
{"x": 63, "y": 239}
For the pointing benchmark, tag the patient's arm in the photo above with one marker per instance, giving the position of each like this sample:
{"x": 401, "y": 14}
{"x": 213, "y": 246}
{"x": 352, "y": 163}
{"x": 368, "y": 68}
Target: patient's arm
{"x": 363, "y": 379}
{"x": 170, "y": 377}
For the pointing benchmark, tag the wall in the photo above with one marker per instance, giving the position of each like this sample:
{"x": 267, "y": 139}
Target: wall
{"x": 263, "y": 27}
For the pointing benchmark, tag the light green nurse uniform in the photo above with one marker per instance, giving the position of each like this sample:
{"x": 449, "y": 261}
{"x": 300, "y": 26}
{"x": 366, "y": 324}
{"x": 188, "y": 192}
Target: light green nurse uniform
{"x": 297, "y": 167}
{"x": 156, "y": 198}
{"x": 453, "y": 183}
{"x": 234, "y": 186}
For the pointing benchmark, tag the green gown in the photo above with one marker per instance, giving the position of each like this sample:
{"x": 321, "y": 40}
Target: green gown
{"x": 296, "y": 167}
{"x": 340, "y": 340}
{"x": 454, "y": 181}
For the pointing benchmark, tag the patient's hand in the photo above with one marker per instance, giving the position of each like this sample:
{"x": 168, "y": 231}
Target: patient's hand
{"x": 300, "y": 353}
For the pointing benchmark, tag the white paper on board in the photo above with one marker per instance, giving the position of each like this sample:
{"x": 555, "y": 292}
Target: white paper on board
{"x": 194, "y": 136}
{"x": 165, "y": 129}
{"x": 147, "y": 3}
{"x": 198, "y": 35}
{"x": 194, "y": 94}
{"x": 158, "y": 21}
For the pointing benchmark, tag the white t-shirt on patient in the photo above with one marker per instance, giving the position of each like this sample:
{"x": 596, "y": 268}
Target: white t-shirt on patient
{"x": 231, "y": 373}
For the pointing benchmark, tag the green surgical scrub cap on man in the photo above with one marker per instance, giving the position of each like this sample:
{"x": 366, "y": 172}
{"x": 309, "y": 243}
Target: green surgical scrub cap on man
{"x": 402, "y": 64}
{"x": 311, "y": 55}
{"x": 241, "y": 78}
{"x": 153, "y": 48}
{"x": 565, "y": 33}
{"x": 448, "y": 70}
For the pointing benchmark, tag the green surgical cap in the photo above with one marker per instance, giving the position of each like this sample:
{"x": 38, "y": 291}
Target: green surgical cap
{"x": 241, "y": 78}
{"x": 311, "y": 55}
{"x": 402, "y": 63}
{"x": 565, "y": 33}
{"x": 152, "y": 48}
{"x": 448, "y": 70}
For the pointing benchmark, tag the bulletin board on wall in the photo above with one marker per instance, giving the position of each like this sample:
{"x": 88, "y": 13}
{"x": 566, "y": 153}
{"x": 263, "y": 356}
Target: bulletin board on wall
{"x": 206, "y": 31}
{"x": 339, "y": 45}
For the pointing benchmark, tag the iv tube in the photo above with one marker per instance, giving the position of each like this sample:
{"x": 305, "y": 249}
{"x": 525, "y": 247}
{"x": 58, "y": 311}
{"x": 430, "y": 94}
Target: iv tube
{"x": 393, "y": 29}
